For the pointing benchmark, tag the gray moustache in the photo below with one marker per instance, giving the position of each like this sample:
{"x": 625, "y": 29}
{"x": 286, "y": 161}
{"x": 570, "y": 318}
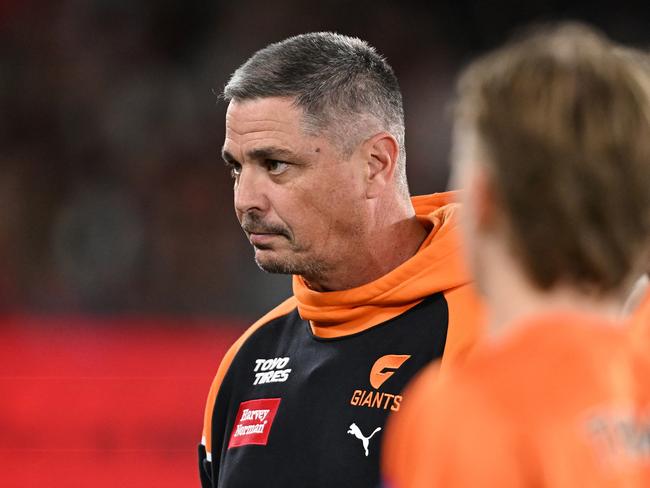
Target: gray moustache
{"x": 263, "y": 229}
{"x": 252, "y": 224}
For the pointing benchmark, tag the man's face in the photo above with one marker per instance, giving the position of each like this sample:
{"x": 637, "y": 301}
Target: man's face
{"x": 469, "y": 176}
{"x": 298, "y": 200}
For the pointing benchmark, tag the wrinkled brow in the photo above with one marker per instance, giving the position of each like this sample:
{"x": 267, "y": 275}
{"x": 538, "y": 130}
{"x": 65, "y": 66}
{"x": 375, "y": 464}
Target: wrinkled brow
{"x": 261, "y": 153}
{"x": 270, "y": 153}
{"x": 227, "y": 157}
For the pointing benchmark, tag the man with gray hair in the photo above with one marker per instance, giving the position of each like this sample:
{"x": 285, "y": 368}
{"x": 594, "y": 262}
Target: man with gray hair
{"x": 315, "y": 145}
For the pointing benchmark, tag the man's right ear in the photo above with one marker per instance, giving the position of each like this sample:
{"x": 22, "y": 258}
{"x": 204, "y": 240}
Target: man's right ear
{"x": 381, "y": 153}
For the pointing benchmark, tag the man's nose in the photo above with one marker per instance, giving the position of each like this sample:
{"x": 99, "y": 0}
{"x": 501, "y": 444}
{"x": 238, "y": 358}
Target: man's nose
{"x": 250, "y": 192}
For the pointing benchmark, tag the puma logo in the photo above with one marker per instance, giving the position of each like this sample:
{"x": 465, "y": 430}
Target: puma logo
{"x": 356, "y": 432}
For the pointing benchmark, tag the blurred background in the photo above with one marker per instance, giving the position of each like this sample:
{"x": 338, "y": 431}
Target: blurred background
{"x": 124, "y": 274}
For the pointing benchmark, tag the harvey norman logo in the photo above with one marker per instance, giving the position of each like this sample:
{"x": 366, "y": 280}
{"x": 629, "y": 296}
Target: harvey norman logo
{"x": 384, "y": 368}
{"x": 253, "y": 422}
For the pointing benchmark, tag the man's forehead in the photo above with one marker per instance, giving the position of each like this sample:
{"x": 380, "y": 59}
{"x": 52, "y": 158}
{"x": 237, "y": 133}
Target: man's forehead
{"x": 256, "y": 114}
{"x": 263, "y": 123}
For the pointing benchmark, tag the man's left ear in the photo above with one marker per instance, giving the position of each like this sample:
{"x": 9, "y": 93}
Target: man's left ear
{"x": 381, "y": 152}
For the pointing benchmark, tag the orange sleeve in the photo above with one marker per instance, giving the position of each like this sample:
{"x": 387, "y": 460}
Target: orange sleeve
{"x": 403, "y": 438}
{"x": 448, "y": 436}
{"x": 282, "y": 309}
{"x": 466, "y": 322}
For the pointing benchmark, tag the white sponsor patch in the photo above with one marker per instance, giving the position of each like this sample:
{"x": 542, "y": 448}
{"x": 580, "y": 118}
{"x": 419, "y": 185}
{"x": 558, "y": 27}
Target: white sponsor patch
{"x": 272, "y": 370}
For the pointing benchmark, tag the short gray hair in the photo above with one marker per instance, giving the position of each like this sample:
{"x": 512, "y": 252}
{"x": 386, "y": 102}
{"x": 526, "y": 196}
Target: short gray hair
{"x": 344, "y": 87}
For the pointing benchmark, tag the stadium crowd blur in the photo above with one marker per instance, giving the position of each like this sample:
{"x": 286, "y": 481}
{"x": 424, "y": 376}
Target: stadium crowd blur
{"x": 113, "y": 196}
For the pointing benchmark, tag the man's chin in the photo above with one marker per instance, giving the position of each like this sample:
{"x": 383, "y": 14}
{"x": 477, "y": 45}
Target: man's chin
{"x": 268, "y": 261}
{"x": 273, "y": 262}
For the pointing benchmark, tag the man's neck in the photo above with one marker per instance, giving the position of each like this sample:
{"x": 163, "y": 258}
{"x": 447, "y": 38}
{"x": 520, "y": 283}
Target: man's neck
{"x": 639, "y": 291}
{"x": 511, "y": 297}
{"x": 505, "y": 314}
{"x": 382, "y": 249}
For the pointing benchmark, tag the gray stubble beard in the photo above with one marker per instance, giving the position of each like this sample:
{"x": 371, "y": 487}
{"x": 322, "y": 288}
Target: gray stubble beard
{"x": 310, "y": 270}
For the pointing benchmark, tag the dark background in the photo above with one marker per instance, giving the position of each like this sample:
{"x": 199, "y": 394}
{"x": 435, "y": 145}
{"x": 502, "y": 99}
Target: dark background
{"x": 113, "y": 196}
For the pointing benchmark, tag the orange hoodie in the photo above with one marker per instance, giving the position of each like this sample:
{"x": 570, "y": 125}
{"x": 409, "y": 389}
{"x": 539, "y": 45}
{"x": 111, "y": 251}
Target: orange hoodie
{"x": 436, "y": 267}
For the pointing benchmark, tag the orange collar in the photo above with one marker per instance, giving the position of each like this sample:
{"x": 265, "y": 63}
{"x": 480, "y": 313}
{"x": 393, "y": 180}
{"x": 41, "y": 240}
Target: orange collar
{"x": 436, "y": 267}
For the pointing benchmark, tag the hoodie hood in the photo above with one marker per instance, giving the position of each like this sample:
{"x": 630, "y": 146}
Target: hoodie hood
{"x": 436, "y": 267}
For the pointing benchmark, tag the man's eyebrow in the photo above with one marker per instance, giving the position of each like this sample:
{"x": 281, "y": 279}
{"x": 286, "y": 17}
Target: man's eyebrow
{"x": 270, "y": 152}
{"x": 261, "y": 153}
{"x": 228, "y": 158}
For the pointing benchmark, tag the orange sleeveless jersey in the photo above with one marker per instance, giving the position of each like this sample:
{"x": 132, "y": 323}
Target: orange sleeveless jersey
{"x": 559, "y": 402}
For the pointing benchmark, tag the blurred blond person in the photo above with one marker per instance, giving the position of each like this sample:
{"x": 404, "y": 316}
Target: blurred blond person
{"x": 552, "y": 143}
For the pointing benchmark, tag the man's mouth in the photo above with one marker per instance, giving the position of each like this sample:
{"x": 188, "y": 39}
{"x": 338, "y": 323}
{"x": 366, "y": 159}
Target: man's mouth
{"x": 260, "y": 234}
{"x": 257, "y": 231}
{"x": 262, "y": 240}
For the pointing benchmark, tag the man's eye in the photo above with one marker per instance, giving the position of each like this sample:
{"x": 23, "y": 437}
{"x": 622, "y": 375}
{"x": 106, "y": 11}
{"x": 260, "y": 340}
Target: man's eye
{"x": 235, "y": 169}
{"x": 276, "y": 167}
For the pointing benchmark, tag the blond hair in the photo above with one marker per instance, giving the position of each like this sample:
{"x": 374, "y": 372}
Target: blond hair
{"x": 563, "y": 117}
